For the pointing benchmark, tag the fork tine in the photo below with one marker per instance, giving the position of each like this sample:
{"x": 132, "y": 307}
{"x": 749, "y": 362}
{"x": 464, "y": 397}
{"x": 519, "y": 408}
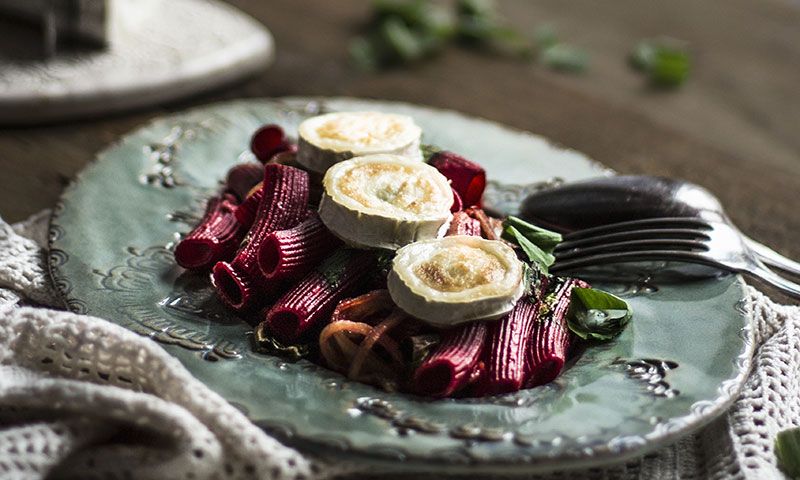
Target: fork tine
{"x": 621, "y": 236}
{"x": 634, "y": 256}
{"x": 644, "y": 224}
{"x": 633, "y": 245}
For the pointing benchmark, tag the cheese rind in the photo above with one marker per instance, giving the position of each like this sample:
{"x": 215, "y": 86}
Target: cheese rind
{"x": 456, "y": 279}
{"x": 331, "y": 138}
{"x": 385, "y": 201}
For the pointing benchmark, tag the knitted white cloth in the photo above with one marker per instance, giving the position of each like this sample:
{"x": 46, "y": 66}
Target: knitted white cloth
{"x": 84, "y": 398}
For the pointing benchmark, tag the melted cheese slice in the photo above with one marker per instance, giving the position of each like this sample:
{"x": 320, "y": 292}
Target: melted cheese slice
{"x": 459, "y": 267}
{"x": 333, "y": 137}
{"x": 361, "y": 130}
{"x": 385, "y": 201}
{"x": 456, "y": 279}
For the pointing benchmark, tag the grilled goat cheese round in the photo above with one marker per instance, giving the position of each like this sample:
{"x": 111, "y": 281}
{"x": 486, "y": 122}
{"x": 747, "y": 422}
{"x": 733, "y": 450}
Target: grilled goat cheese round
{"x": 456, "y": 279}
{"x": 385, "y": 201}
{"x": 333, "y": 137}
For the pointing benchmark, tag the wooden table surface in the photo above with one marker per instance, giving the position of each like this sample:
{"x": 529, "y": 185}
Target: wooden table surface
{"x": 733, "y": 128}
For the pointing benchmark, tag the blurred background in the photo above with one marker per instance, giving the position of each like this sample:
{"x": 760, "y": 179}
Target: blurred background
{"x": 726, "y": 116}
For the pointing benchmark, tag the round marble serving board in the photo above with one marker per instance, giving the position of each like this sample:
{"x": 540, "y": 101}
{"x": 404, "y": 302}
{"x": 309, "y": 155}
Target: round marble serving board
{"x": 158, "y": 51}
{"x": 676, "y": 366}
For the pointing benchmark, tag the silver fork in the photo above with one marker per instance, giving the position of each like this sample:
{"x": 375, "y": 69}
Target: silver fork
{"x": 693, "y": 240}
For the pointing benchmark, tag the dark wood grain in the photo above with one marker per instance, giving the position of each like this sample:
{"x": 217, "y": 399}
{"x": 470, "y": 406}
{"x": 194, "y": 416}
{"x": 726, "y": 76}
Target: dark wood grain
{"x": 733, "y": 128}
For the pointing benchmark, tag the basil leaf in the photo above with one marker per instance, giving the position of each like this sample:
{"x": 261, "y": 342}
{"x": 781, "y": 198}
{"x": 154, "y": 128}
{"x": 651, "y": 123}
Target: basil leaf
{"x": 565, "y": 58}
{"x": 535, "y": 254}
{"x": 428, "y": 151}
{"x": 665, "y": 60}
{"x": 545, "y": 37}
{"x": 787, "y": 450}
{"x": 477, "y": 8}
{"x": 542, "y": 238}
{"x": 643, "y": 55}
{"x": 597, "y": 315}
{"x": 422, "y": 16}
{"x": 405, "y": 44}
{"x": 364, "y": 54}
{"x": 670, "y": 68}
{"x": 419, "y": 347}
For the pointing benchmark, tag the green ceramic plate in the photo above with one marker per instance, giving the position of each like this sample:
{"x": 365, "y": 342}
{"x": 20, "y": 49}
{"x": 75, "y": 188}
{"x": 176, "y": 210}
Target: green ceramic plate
{"x": 675, "y": 367}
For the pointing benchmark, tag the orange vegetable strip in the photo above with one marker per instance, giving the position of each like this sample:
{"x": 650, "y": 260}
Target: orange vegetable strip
{"x": 369, "y": 341}
{"x": 339, "y": 332}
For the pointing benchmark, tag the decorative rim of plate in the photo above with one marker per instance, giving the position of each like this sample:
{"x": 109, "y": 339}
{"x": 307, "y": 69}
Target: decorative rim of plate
{"x": 619, "y": 449}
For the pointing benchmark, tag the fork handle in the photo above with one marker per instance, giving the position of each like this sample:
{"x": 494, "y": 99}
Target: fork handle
{"x": 768, "y": 276}
{"x": 772, "y": 258}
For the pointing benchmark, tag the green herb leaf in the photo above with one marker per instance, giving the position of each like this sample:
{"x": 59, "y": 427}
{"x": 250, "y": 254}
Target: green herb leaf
{"x": 643, "y": 55}
{"x": 364, "y": 54}
{"x": 542, "y": 259}
{"x": 404, "y": 43}
{"x": 267, "y": 343}
{"x": 565, "y": 58}
{"x": 670, "y": 68}
{"x": 543, "y": 238}
{"x": 418, "y": 15}
{"x": 428, "y": 151}
{"x": 480, "y": 25}
{"x": 476, "y": 30}
{"x": 334, "y": 265}
{"x": 476, "y": 8}
{"x": 383, "y": 260}
{"x": 510, "y": 41}
{"x": 597, "y": 315}
{"x": 545, "y": 37}
{"x": 418, "y": 347}
{"x": 787, "y": 450}
{"x": 534, "y": 285}
{"x": 665, "y": 60}
{"x": 438, "y": 21}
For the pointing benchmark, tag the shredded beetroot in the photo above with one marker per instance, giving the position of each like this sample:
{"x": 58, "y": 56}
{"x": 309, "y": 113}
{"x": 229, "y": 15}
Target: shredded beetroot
{"x": 215, "y": 238}
{"x": 268, "y": 141}
{"x": 453, "y": 363}
{"x": 467, "y": 178}
{"x": 308, "y": 305}
{"x": 283, "y": 205}
{"x": 290, "y": 254}
{"x": 463, "y": 224}
{"x": 550, "y": 338}
{"x": 242, "y": 178}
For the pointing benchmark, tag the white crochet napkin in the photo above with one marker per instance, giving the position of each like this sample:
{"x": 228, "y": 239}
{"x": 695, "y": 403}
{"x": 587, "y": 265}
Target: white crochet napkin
{"x": 84, "y": 398}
